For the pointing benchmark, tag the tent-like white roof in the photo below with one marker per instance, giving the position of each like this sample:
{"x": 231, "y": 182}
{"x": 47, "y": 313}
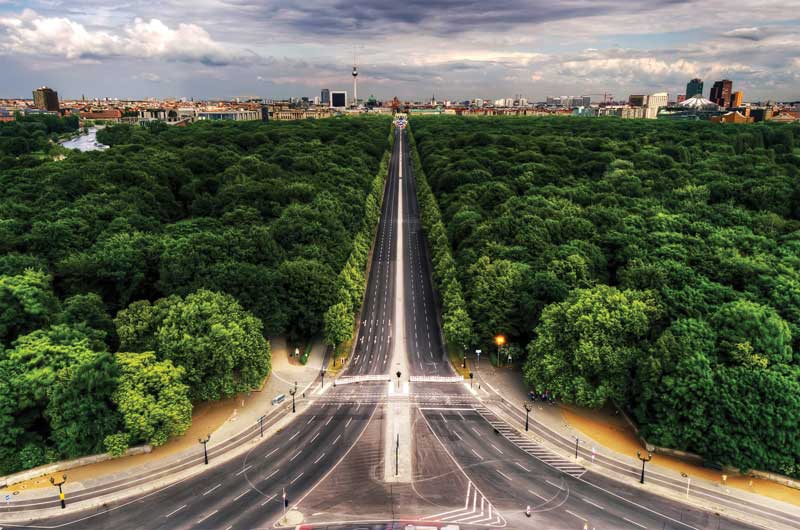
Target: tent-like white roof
{"x": 698, "y": 102}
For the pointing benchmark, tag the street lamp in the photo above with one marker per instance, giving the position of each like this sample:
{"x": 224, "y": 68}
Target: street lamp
{"x": 688, "y": 483}
{"x": 499, "y": 340}
{"x": 261, "y": 422}
{"x": 398, "y": 374}
{"x": 644, "y": 461}
{"x": 464, "y": 358}
{"x": 528, "y": 408}
{"x": 577, "y": 441}
{"x": 60, "y": 491}
{"x": 322, "y": 375}
{"x": 292, "y": 392}
{"x": 204, "y": 441}
{"x": 471, "y": 376}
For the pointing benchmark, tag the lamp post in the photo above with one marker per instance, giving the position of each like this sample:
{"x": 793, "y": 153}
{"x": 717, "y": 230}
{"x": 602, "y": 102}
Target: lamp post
{"x": 527, "y": 411}
{"x": 60, "y": 491}
{"x": 464, "y": 358}
{"x": 471, "y": 376}
{"x": 292, "y": 392}
{"x": 261, "y": 423}
{"x": 499, "y": 340}
{"x": 688, "y": 483}
{"x": 577, "y": 441}
{"x": 398, "y": 374}
{"x": 204, "y": 441}
{"x": 322, "y": 375}
{"x": 644, "y": 460}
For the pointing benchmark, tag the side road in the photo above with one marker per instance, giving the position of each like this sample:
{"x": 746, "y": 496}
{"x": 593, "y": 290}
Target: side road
{"x": 505, "y": 393}
{"x": 132, "y": 473}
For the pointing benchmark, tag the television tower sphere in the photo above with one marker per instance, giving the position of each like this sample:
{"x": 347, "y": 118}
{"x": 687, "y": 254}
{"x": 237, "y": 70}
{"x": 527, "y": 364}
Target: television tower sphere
{"x": 355, "y": 71}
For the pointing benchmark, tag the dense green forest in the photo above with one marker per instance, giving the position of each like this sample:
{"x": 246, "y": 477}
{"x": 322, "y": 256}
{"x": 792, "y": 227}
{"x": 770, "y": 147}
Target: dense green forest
{"x": 141, "y": 279}
{"x": 653, "y": 265}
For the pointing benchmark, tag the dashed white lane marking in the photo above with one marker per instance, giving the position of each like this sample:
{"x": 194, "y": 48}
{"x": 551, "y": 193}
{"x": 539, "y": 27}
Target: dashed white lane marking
{"x": 506, "y": 476}
{"x": 496, "y": 448}
{"x": 271, "y": 474}
{"x": 442, "y": 415}
{"x": 554, "y": 485}
{"x": 294, "y": 436}
{"x": 320, "y": 458}
{"x": 296, "y": 455}
{"x": 476, "y": 454}
{"x": 266, "y": 501}
{"x": 635, "y": 523}
{"x": 243, "y": 470}
{"x": 176, "y": 511}
{"x": 592, "y": 503}
{"x": 296, "y": 478}
{"x": 312, "y": 419}
{"x": 206, "y": 517}
{"x": 348, "y": 422}
{"x": 314, "y": 438}
{"x": 336, "y": 440}
{"x": 458, "y": 436}
{"x": 536, "y": 494}
{"x": 576, "y": 515}
{"x": 212, "y": 489}
{"x": 329, "y": 420}
{"x": 523, "y": 467}
{"x": 242, "y": 494}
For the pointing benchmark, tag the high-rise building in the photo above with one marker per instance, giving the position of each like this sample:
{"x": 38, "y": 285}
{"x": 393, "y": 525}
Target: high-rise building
{"x": 694, "y": 88}
{"x": 46, "y": 99}
{"x": 339, "y": 99}
{"x": 721, "y": 93}
{"x": 737, "y": 99}
{"x": 637, "y": 100}
{"x": 325, "y": 96}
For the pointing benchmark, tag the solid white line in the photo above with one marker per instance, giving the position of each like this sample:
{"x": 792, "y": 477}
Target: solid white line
{"x": 576, "y": 515}
{"x": 242, "y": 471}
{"x": 320, "y": 458}
{"x": 297, "y": 477}
{"x": 507, "y": 477}
{"x": 176, "y": 511}
{"x": 592, "y": 503}
{"x": 634, "y": 522}
{"x": 242, "y": 494}
{"x": 206, "y": 517}
{"x": 266, "y": 501}
{"x": 212, "y": 489}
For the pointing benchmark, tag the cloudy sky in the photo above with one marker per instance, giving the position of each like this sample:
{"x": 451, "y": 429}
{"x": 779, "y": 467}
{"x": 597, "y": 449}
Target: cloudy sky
{"x": 410, "y": 48}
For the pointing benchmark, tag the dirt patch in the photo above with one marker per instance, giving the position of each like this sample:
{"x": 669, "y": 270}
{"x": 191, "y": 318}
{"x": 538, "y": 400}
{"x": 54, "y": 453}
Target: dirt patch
{"x": 612, "y": 431}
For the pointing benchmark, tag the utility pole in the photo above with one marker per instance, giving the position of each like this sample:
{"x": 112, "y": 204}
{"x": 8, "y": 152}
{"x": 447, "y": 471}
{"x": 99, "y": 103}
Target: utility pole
{"x": 577, "y": 441}
{"x": 397, "y": 457}
{"x": 60, "y": 491}
{"x": 528, "y": 408}
{"x": 292, "y": 392}
{"x": 205, "y": 444}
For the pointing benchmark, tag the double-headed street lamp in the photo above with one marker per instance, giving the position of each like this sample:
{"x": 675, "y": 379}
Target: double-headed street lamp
{"x": 204, "y": 441}
{"x": 60, "y": 491}
{"x": 261, "y": 423}
{"x": 644, "y": 460}
{"x": 528, "y": 409}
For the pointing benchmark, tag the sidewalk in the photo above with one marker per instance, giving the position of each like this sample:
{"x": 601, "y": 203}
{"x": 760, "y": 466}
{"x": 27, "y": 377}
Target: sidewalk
{"x": 221, "y": 419}
{"x": 610, "y": 435}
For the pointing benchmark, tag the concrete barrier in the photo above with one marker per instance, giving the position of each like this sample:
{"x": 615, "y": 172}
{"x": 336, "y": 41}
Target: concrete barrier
{"x": 64, "y": 465}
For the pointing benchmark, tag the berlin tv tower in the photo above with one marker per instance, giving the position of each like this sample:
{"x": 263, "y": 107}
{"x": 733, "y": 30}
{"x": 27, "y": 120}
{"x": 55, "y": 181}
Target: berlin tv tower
{"x": 355, "y": 81}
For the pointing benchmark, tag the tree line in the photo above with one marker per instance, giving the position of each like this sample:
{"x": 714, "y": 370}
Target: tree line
{"x": 139, "y": 280}
{"x": 648, "y": 264}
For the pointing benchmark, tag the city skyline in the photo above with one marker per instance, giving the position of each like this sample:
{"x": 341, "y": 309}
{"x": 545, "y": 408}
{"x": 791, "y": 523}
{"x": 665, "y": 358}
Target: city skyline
{"x": 456, "y": 50}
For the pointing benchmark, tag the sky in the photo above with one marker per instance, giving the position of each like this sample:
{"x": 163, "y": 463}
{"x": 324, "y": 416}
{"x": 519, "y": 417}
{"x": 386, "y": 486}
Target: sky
{"x": 413, "y": 49}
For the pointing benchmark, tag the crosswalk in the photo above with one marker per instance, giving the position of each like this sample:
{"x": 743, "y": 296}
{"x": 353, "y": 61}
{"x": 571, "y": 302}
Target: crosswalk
{"x": 529, "y": 446}
{"x": 477, "y": 510}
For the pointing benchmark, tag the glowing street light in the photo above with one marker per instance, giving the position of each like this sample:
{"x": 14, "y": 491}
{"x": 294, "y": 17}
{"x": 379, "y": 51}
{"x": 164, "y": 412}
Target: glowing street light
{"x": 500, "y": 340}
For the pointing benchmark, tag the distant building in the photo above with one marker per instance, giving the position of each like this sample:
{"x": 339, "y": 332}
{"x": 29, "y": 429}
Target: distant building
{"x": 721, "y": 93}
{"x": 732, "y": 117}
{"x": 762, "y": 113}
{"x": 45, "y": 98}
{"x": 637, "y": 100}
{"x": 694, "y": 88}
{"x": 681, "y": 97}
{"x": 654, "y": 103}
{"x": 325, "y": 96}
{"x": 737, "y": 99}
{"x": 339, "y": 99}
{"x": 694, "y": 108}
{"x": 235, "y": 115}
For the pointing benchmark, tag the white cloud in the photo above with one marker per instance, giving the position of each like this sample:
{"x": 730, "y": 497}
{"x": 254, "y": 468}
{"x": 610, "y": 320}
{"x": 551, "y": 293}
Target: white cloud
{"x": 31, "y": 34}
{"x": 147, "y": 76}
